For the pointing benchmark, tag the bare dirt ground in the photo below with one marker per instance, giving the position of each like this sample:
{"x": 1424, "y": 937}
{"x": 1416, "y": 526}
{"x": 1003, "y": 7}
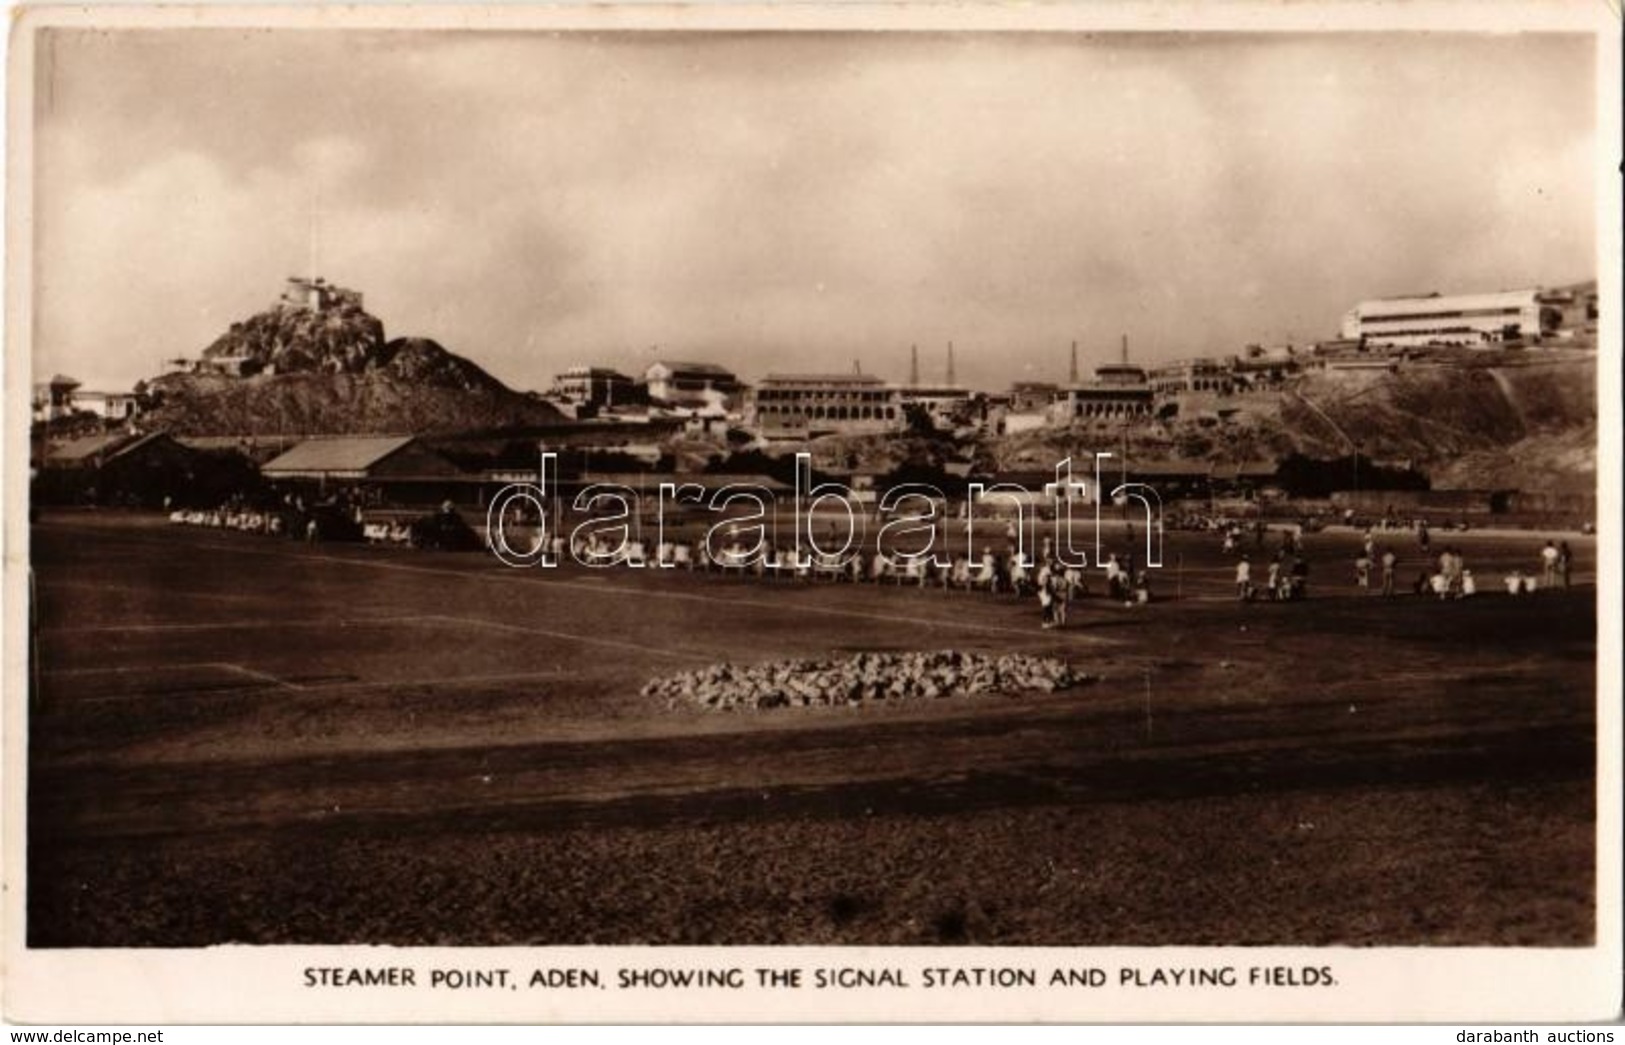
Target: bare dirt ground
{"x": 238, "y": 739}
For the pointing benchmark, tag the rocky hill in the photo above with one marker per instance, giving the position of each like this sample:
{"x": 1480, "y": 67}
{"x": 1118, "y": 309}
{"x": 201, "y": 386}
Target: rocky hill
{"x": 298, "y": 370}
{"x": 341, "y": 339}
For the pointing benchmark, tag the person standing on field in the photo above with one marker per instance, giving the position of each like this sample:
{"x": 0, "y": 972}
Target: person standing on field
{"x": 1548, "y": 565}
{"x": 1060, "y": 593}
{"x": 1388, "y": 563}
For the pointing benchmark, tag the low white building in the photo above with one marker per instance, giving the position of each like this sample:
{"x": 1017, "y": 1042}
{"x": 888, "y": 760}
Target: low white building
{"x": 114, "y": 406}
{"x": 63, "y": 396}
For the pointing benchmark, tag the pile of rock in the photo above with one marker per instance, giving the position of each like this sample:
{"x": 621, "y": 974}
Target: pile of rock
{"x": 863, "y": 678}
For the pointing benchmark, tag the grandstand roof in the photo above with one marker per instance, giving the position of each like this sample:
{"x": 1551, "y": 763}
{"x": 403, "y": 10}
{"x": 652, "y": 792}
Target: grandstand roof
{"x": 88, "y": 448}
{"x": 351, "y": 454}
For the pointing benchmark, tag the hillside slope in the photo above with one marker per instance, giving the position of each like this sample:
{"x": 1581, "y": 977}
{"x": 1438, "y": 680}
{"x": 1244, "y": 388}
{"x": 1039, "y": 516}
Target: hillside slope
{"x": 373, "y": 401}
{"x": 1530, "y": 424}
{"x": 1523, "y": 422}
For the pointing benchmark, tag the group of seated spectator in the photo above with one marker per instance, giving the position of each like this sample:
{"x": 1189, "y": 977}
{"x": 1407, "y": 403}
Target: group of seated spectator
{"x": 395, "y": 532}
{"x": 1452, "y": 580}
{"x": 293, "y": 518}
{"x": 245, "y": 519}
{"x": 1519, "y": 583}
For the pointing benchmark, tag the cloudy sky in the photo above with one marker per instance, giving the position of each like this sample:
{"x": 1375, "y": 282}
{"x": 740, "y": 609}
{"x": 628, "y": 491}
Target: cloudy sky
{"x": 772, "y": 202}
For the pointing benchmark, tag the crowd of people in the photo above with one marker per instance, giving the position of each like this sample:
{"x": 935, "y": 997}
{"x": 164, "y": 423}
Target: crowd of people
{"x": 1044, "y": 577}
{"x": 1055, "y": 585}
{"x": 1444, "y": 575}
{"x": 1286, "y": 580}
{"x": 1556, "y": 571}
{"x": 1447, "y": 576}
{"x": 1451, "y": 580}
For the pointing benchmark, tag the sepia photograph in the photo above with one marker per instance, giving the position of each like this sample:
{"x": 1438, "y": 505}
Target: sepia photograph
{"x": 578, "y": 496}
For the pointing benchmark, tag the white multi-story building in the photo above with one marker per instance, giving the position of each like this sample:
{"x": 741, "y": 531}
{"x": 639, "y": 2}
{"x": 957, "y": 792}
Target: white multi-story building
{"x": 595, "y": 386}
{"x": 54, "y": 398}
{"x": 1120, "y": 391}
{"x": 1192, "y": 375}
{"x": 692, "y": 385}
{"x": 806, "y": 405}
{"x": 1472, "y": 320}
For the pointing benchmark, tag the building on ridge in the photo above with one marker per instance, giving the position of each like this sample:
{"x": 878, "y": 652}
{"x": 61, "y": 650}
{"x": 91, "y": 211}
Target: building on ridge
{"x": 596, "y": 387}
{"x": 692, "y": 385}
{"x": 1462, "y": 320}
{"x": 1119, "y": 391}
{"x": 789, "y": 406}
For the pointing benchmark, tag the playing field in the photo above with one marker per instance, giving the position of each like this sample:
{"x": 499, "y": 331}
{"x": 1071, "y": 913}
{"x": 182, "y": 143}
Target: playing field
{"x": 238, "y": 738}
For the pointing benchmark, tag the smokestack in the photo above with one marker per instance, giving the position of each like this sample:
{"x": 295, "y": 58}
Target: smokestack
{"x": 1125, "y": 348}
{"x": 950, "y": 364}
{"x": 857, "y": 367}
{"x": 1072, "y": 375}
{"x": 914, "y": 365}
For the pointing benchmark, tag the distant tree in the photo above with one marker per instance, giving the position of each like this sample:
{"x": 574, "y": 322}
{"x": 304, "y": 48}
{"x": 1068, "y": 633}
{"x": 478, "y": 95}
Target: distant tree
{"x": 917, "y": 420}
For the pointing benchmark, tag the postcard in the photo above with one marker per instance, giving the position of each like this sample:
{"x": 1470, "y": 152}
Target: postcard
{"x": 720, "y": 513}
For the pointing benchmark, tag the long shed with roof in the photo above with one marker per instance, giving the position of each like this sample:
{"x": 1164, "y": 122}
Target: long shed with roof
{"x": 399, "y": 466}
{"x": 120, "y": 468}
